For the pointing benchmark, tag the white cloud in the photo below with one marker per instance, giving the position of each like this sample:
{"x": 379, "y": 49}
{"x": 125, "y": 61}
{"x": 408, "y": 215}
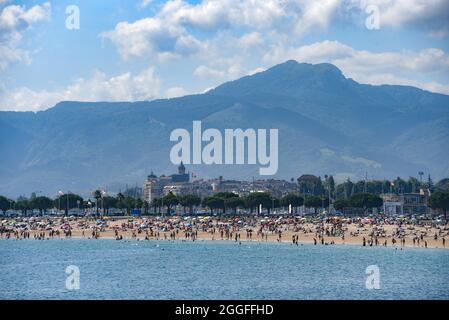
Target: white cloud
{"x": 175, "y": 92}
{"x": 404, "y": 12}
{"x": 14, "y": 21}
{"x": 326, "y": 152}
{"x": 250, "y": 39}
{"x": 227, "y": 39}
{"x": 362, "y": 161}
{"x": 151, "y": 36}
{"x": 315, "y": 14}
{"x": 210, "y": 14}
{"x": 145, "y": 3}
{"x": 172, "y": 27}
{"x": 207, "y": 72}
{"x": 254, "y": 71}
{"x": 124, "y": 87}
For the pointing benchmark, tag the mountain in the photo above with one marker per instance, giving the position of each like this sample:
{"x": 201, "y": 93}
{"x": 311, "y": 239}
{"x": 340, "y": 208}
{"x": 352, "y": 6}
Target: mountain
{"x": 328, "y": 124}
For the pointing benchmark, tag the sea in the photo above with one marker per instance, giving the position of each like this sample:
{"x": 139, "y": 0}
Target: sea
{"x": 75, "y": 269}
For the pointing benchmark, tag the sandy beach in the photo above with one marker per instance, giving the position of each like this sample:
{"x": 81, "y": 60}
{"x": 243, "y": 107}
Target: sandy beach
{"x": 296, "y": 230}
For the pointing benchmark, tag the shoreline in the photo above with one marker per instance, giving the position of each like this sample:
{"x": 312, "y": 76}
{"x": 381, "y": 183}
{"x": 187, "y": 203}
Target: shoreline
{"x": 243, "y": 241}
{"x": 333, "y": 231}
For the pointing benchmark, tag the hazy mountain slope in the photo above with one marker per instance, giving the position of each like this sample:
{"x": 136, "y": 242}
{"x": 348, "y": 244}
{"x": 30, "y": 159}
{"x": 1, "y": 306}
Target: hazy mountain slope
{"x": 327, "y": 124}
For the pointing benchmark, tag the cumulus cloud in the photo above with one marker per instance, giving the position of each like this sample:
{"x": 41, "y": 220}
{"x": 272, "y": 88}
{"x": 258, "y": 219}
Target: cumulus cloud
{"x": 207, "y": 72}
{"x": 226, "y": 39}
{"x": 361, "y": 161}
{"x": 315, "y": 14}
{"x": 171, "y": 29}
{"x": 14, "y": 21}
{"x": 124, "y": 87}
{"x": 428, "y": 13}
{"x": 175, "y": 92}
{"x": 250, "y": 39}
{"x": 145, "y": 3}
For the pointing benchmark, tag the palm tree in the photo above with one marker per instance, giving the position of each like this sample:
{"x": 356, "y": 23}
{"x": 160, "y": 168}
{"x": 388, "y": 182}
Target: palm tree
{"x": 146, "y": 206}
{"x": 170, "y": 200}
{"x": 97, "y": 195}
{"x": 120, "y": 198}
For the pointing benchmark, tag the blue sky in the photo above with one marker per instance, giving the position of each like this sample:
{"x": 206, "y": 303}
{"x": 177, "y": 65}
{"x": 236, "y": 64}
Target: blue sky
{"x": 145, "y": 50}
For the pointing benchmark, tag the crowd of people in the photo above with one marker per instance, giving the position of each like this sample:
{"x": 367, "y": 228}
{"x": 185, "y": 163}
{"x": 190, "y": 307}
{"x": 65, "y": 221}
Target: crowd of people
{"x": 316, "y": 230}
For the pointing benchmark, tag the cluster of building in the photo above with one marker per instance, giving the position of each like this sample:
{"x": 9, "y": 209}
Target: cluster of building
{"x": 406, "y": 203}
{"x": 184, "y": 183}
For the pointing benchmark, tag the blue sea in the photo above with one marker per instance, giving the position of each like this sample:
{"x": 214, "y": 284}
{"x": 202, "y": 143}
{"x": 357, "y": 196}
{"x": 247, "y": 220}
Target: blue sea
{"x": 110, "y": 269}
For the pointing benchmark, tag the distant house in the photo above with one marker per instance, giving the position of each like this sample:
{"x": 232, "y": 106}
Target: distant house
{"x": 156, "y": 187}
{"x": 407, "y": 203}
{"x": 182, "y": 176}
{"x": 415, "y": 203}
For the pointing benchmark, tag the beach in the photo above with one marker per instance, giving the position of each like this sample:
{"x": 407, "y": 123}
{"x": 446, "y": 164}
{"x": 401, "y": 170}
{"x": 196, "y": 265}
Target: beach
{"x": 296, "y": 230}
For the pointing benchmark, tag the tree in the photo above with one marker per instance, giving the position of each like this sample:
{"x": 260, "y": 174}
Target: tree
{"x": 346, "y": 189}
{"x": 156, "y": 203}
{"x": 316, "y": 202}
{"x": 139, "y": 203}
{"x": 331, "y": 186}
{"x": 399, "y": 186}
{"x": 146, "y": 206}
{"x": 129, "y": 203}
{"x": 97, "y": 195}
{"x": 22, "y": 204}
{"x": 5, "y": 203}
{"x": 365, "y": 200}
{"x": 440, "y": 200}
{"x": 109, "y": 202}
{"x": 41, "y": 203}
{"x": 213, "y": 203}
{"x": 341, "y": 204}
{"x": 169, "y": 201}
{"x": 442, "y": 185}
{"x": 255, "y": 199}
{"x": 224, "y": 196}
{"x": 413, "y": 185}
{"x": 430, "y": 184}
{"x": 68, "y": 201}
{"x": 292, "y": 199}
{"x": 189, "y": 201}
{"x": 234, "y": 203}
{"x": 120, "y": 199}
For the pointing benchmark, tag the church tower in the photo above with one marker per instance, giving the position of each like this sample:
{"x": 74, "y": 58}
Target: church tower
{"x": 182, "y": 169}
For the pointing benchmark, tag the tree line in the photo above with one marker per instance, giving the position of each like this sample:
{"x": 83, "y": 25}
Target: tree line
{"x": 345, "y": 190}
{"x": 313, "y": 195}
{"x": 221, "y": 202}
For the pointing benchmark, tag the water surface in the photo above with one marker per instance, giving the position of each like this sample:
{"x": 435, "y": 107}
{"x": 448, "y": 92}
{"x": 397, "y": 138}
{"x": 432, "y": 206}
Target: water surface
{"x": 112, "y": 269}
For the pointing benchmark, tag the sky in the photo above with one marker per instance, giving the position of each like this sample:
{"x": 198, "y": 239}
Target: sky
{"x": 125, "y": 50}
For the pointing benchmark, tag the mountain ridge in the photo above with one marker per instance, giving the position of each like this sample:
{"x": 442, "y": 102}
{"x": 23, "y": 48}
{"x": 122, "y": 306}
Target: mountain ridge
{"x": 328, "y": 124}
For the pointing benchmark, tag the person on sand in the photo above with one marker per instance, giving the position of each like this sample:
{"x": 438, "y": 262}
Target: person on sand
{"x": 444, "y": 242}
